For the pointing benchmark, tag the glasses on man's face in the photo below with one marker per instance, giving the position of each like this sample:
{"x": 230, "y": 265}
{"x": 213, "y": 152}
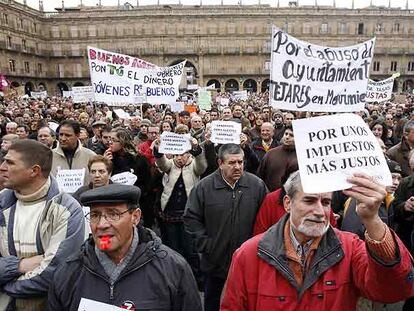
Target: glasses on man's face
{"x": 111, "y": 216}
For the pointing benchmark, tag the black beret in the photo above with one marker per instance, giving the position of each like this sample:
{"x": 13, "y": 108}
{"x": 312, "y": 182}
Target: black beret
{"x": 113, "y": 193}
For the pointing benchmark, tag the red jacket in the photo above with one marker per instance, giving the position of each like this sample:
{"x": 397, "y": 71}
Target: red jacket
{"x": 341, "y": 271}
{"x": 271, "y": 211}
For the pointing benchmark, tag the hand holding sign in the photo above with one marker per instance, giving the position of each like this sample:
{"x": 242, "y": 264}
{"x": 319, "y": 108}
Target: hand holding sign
{"x": 331, "y": 148}
{"x": 369, "y": 196}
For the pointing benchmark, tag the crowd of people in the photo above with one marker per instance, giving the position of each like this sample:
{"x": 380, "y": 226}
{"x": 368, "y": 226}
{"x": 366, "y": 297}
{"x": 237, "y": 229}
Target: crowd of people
{"x": 229, "y": 220}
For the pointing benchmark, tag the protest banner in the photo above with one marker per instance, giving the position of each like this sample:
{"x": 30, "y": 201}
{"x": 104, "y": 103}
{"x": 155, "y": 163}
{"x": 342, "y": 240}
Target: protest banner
{"x": 70, "y": 180}
{"x": 172, "y": 143}
{"x": 190, "y": 108}
{"x": 119, "y": 78}
{"x": 42, "y": 94}
{"x": 93, "y": 305}
{"x": 204, "y": 100}
{"x": 332, "y": 148}
{"x": 125, "y": 178}
{"x": 225, "y": 132}
{"x": 83, "y": 94}
{"x": 309, "y": 77}
{"x": 177, "y": 106}
{"x": 67, "y": 94}
{"x": 240, "y": 95}
{"x": 379, "y": 91}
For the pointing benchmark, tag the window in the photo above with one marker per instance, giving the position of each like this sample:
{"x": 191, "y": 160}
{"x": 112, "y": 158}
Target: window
{"x": 12, "y": 65}
{"x": 26, "y": 67}
{"x": 60, "y": 71}
{"x": 376, "y": 66}
{"x": 306, "y": 28}
{"x": 35, "y": 27}
{"x": 324, "y": 28}
{"x": 39, "y": 68}
{"x": 37, "y": 47}
{"x": 360, "y": 28}
{"x": 393, "y": 66}
{"x": 21, "y": 22}
{"x": 6, "y": 19}
{"x": 24, "y": 45}
{"x": 342, "y": 28}
{"x": 396, "y": 27}
{"x": 9, "y": 42}
{"x": 379, "y": 28}
{"x": 410, "y": 66}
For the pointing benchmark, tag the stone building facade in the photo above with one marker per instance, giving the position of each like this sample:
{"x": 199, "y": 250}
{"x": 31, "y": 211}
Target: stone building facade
{"x": 225, "y": 45}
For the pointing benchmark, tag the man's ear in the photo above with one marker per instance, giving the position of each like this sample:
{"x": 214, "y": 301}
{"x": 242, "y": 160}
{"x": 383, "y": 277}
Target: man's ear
{"x": 136, "y": 216}
{"x": 287, "y": 203}
{"x": 36, "y": 170}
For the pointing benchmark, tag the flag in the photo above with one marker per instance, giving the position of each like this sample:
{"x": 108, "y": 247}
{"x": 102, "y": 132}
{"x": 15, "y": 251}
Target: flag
{"x": 3, "y": 83}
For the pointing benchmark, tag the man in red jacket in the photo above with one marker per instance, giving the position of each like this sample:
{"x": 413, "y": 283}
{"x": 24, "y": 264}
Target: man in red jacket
{"x": 302, "y": 263}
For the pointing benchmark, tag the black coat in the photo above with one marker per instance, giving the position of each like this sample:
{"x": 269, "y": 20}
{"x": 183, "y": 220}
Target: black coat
{"x": 156, "y": 278}
{"x": 221, "y": 218}
{"x": 404, "y": 220}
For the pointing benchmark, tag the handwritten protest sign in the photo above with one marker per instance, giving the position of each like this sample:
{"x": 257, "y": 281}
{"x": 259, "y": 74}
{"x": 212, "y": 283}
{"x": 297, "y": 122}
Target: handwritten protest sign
{"x": 331, "y": 148}
{"x": 177, "y": 107}
{"x": 83, "y": 94}
{"x": 67, "y": 94}
{"x": 70, "y": 180}
{"x": 125, "y": 178}
{"x": 172, "y": 143}
{"x": 240, "y": 95}
{"x": 122, "y": 114}
{"x": 92, "y": 305}
{"x": 204, "y": 100}
{"x": 379, "y": 91}
{"x": 309, "y": 77}
{"x": 42, "y": 94}
{"x": 225, "y": 132}
{"x": 119, "y": 78}
{"x": 224, "y": 102}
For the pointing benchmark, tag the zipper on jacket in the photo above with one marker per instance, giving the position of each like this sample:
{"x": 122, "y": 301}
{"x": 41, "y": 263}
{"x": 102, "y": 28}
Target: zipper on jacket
{"x": 111, "y": 291}
{"x": 277, "y": 261}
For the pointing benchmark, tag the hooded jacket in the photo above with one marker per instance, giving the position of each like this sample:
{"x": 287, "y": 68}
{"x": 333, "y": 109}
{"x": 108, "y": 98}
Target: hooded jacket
{"x": 156, "y": 278}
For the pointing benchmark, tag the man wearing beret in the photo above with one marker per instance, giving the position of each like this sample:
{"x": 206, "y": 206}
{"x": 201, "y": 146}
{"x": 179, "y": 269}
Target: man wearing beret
{"x": 123, "y": 264}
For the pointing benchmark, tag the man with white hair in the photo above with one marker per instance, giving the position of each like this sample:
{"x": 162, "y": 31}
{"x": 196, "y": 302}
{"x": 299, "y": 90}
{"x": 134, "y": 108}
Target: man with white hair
{"x": 302, "y": 263}
{"x": 11, "y": 128}
{"x": 197, "y": 128}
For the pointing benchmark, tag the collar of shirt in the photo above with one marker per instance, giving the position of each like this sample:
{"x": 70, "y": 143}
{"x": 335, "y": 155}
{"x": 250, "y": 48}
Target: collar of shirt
{"x": 231, "y": 186}
{"x": 301, "y": 250}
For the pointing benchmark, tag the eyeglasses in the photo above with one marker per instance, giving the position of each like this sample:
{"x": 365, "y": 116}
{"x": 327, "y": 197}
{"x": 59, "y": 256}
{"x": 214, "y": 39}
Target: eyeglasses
{"x": 111, "y": 216}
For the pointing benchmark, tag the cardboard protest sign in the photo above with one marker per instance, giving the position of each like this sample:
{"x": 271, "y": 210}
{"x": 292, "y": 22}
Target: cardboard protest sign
{"x": 122, "y": 114}
{"x": 332, "y": 148}
{"x": 172, "y": 143}
{"x": 67, "y": 94}
{"x": 83, "y": 94}
{"x": 240, "y": 95}
{"x": 204, "y": 100}
{"x": 70, "y": 180}
{"x": 125, "y": 178}
{"x": 119, "y": 78}
{"x": 309, "y": 77}
{"x": 177, "y": 107}
{"x": 379, "y": 91}
{"x": 92, "y": 305}
{"x": 224, "y": 102}
{"x": 225, "y": 132}
{"x": 42, "y": 94}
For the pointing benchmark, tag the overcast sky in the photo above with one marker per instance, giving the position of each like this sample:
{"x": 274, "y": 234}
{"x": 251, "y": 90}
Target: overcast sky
{"x": 49, "y": 5}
